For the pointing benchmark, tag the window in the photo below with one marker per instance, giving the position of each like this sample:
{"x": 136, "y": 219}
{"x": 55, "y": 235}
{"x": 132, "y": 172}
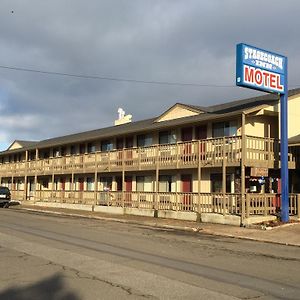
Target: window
{"x": 45, "y": 155}
{"x": 45, "y": 184}
{"x": 224, "y": 129}
{"x": 144, "y": 140}
{"x": 106, "y": 183}
{"x": 165, "y": 184}
{"x": 106, "y": 145}
{"x": 73, "y": 150}
{"x": 216, "y": 183}
{"x": 56, "y": 183}
{"x": 91, "y": 148}
{"x": 144, "y": 184}
{"x": 56, "y": 152}
{"x": 167, "y": 137}
{"x": 82, "y": 148}
{"x": 63, "y": 151}
{"x": 90, "y": 184}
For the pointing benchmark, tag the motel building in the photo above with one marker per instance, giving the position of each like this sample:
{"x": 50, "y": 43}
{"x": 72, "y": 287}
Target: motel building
{"x": 219, "y": 163}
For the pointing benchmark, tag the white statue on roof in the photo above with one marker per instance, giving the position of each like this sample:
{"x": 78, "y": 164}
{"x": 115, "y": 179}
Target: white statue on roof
{"x": 121, "y": 113}
{"x": 122, "y": 117}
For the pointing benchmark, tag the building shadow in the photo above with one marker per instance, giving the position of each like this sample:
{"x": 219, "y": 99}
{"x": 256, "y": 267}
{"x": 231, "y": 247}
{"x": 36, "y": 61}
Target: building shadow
{"x": 52, "y": 288}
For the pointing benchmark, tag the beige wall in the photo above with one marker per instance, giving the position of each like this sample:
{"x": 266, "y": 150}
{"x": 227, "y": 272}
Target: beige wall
{"x": 176, "y": 113}
{"x": 293, "y": 115}
{"x": 260, "y": 125}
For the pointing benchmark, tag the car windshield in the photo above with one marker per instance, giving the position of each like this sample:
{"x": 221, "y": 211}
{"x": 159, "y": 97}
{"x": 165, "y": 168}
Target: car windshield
{"x": 4, "y": 189}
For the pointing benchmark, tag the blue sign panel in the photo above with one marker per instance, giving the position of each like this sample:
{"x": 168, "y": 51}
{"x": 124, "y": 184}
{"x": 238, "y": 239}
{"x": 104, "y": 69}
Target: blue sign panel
{"x": 260, "y": 69}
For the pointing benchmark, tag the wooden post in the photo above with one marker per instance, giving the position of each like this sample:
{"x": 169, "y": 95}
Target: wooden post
{"x": 95, "y": 187}
{"x": 269, "y": 144}
{"x": 72, "y": 187}
{"x": 156, "y": 187}
{"x": 156, "y": 179}
{"x": 224, "y": 178}
{"x": 247, "y": 206}
{"x": 123, "y": 177}
{"x": 52, "y": 186}
{"x": 35, "y": 186}
{"x": 298, "y": 206}
{"x": 243, "y": 158}
{"x": 199, "y": 178}
{"x": 26, "y": 179}
{"x": 95, "y": 180}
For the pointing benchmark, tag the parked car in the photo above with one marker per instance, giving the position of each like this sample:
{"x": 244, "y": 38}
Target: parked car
{"x": 5, "y": 196}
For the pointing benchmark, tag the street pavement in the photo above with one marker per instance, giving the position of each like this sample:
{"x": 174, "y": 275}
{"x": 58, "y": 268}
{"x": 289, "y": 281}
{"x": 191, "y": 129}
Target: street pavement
{"x": 287, "y": 234}
{"x": 69, "y": 257}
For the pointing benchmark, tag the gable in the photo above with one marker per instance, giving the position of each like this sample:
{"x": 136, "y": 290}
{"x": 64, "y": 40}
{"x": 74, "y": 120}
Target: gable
{"x": 15, "y": 145}
{"x": 176, "y": 112}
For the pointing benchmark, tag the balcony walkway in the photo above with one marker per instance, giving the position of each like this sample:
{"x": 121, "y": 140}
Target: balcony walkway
{"x": 259, "y": 152}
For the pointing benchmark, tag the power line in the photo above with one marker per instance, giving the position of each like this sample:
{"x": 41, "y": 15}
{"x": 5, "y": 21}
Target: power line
{"x": 115, "y": 78}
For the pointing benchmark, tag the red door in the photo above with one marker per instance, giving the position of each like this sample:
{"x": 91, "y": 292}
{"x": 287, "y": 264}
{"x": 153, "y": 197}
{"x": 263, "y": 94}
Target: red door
{"x": 187, "y": 136}
{"x": 120, "y": 145}
{"x": 128, "y": 183}
{"x": 128, "y": 189}
{"x": 186, "y": 180}
{"x": 201, "y": 134}
{"x": 63, "y": 184}
{"x": 129, "y": 145}
{"x": 81, "y": 185}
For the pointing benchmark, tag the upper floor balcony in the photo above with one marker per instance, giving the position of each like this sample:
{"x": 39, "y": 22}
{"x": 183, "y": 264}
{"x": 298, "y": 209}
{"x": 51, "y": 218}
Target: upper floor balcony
{"x": 256, "y": 152}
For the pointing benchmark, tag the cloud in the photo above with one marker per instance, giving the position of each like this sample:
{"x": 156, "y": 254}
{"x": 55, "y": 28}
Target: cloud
{"x": 160, "y": 40}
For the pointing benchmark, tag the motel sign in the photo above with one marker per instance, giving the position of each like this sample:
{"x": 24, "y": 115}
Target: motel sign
{"x": 267, "y": 71}
{"x": 259, "y": 69}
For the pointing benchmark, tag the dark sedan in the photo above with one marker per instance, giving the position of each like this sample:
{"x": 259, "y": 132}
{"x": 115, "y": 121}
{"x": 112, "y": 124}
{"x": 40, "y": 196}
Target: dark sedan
{"x": 5, "y": 196}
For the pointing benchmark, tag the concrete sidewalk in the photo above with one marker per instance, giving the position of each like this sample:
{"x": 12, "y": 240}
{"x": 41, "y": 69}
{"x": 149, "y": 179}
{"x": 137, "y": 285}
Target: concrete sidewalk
{"x": 287, "y": 234}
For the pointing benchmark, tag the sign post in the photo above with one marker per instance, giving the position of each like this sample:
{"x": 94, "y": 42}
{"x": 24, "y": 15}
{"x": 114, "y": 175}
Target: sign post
{"x": 267, "y": 71}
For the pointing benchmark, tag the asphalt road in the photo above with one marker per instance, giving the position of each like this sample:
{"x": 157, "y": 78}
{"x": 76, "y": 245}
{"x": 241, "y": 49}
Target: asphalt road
{"x": 53, "y": 257}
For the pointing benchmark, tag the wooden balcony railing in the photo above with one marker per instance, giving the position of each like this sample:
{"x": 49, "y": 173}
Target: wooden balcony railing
{"x": 255, "y": 204}
{"x": 207, "y": 153}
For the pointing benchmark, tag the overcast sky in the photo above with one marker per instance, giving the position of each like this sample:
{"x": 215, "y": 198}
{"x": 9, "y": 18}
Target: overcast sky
{"x": 184, "y": 41}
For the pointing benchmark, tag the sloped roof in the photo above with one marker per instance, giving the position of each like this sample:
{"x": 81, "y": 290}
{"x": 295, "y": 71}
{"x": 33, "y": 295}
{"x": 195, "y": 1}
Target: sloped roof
{"x": 26, "y": 143}
{"x": 213, "y": 112}
{"x": 22, "y": 144}
{"x": 295, "y": 140}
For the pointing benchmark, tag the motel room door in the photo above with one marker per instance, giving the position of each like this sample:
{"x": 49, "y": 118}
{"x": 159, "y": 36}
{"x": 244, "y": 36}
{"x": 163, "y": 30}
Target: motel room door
{"x": 128, "y": 190}
{"x": 187, "y": 136}
{"x": 120, "y": 145}
{"x": 186, "y": 181}
{"x": 201, "y": 134}
{"x": 128, "y": 151}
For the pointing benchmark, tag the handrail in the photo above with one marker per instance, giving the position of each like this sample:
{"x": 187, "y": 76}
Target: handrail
{"x": 207, "y": 151}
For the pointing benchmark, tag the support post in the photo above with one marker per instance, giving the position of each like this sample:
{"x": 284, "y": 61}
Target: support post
{"x": 199, "y": 178}
{"x": 156, "y": 186}
{"x": 224, "y": 178}
{"x": 284, "y": 170}
{"x": 298, "y": 206}
{"x": 243, "y": 158}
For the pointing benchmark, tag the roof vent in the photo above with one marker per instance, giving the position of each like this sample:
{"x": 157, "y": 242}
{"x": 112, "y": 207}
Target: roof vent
{"x": 123, "y": 119}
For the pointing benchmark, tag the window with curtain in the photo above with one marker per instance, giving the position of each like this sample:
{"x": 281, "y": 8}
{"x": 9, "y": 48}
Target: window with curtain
{"x": 144, "y": 184}
{"x": 144, "y": 140}
{"x": 221, "y": 129}
{"x": 90, "y": 183}
{"x": 167, "y": 137}
{"x": 106, "y": 145}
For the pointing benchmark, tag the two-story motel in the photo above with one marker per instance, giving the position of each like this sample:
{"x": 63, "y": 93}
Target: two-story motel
{"x": 222, "y": 159}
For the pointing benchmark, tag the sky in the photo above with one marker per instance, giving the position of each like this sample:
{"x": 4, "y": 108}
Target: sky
{"x": 189, "y": 42}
